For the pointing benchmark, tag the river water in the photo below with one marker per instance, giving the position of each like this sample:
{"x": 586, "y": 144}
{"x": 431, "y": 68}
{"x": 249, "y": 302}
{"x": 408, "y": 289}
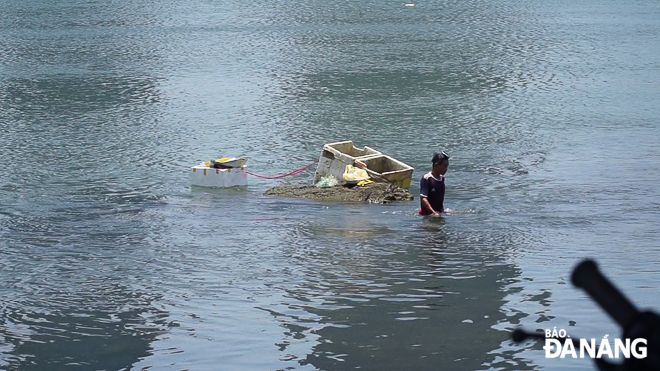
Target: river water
{"x": 109, "y": 260}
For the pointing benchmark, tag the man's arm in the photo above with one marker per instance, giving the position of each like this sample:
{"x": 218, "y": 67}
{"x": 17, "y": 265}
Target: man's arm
{"x": 423, "y": 194}
{"x": 427, "y": 206}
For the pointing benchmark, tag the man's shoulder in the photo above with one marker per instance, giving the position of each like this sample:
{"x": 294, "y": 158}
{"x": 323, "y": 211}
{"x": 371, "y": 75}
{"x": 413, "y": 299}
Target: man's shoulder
{"x": 428, "y": 176}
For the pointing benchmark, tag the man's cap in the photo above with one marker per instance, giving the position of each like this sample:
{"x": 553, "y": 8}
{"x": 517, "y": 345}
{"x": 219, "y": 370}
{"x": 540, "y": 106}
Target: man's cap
{"x": 439, "y": 156}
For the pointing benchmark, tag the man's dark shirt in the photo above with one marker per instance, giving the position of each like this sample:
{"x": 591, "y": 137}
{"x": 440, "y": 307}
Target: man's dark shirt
{"x": 433, "y": 189}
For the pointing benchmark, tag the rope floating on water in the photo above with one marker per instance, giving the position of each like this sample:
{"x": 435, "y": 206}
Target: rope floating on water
{"x": 294, "y": 172}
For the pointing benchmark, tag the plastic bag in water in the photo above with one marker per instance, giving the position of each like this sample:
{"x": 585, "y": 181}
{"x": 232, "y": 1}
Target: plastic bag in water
{"x": 354, "y": 173}
{"x": 327, "y": 181}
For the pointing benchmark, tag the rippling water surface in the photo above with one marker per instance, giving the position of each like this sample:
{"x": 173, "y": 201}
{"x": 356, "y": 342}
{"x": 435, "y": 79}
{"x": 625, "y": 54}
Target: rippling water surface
{"x": 110, "y": 260}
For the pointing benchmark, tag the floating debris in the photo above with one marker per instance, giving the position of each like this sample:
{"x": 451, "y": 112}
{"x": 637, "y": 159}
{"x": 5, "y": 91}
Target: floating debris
{"x": 380, "y": 193}
{"x": 378, "y": 166}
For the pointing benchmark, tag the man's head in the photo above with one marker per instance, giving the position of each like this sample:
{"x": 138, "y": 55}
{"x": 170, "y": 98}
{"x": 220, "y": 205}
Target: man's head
{"x": 440, "y": 163}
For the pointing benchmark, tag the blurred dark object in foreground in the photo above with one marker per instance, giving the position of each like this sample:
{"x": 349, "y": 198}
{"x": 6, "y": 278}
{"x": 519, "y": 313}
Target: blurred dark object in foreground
{"x": 635, "y": 324}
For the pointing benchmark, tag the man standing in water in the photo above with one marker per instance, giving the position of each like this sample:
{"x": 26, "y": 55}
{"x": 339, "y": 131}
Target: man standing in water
{"x": 432, "y": 186}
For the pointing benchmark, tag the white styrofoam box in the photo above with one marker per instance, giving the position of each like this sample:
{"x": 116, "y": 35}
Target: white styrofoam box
{"x": 204, "y": 176}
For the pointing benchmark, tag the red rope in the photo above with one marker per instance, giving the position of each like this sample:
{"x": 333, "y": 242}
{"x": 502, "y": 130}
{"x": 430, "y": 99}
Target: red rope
{"x": 294, "y": 172}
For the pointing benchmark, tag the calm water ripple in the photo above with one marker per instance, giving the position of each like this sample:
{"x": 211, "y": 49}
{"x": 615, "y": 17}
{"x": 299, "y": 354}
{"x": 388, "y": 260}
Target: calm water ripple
{"x": 110, "y": 260}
